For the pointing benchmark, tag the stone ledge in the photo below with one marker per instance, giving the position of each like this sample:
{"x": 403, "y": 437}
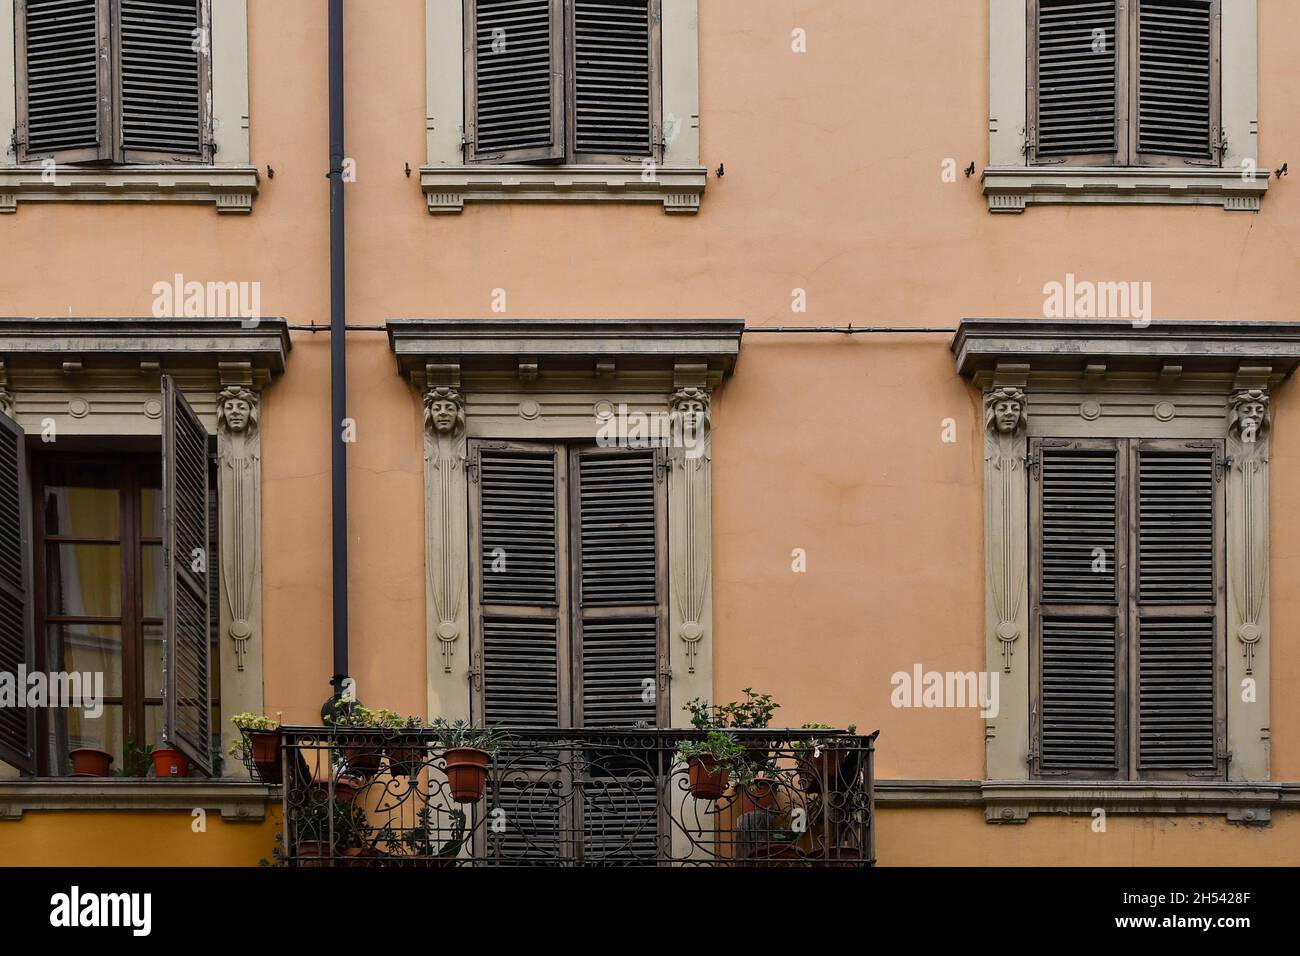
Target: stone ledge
{"x": 1009, "y": 189}
{"x": 236, "y": 801}
{"x": 1014, "y": 801}
{"x": 230, "y": 188}
{"x": 448, "y": 188}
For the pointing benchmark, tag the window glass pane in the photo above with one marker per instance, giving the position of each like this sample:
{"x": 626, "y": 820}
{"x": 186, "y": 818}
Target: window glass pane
{"x": 82, "y": 499}
{"x": 89, "y": 648}
{"x": 153, "y": 722}
{"x": 153, "y": 655}
{"x": 83, "y": 580}
{"x": 151, "y": 500}
{"x": 151, "y": 584}
{"x": 103, "y": 732}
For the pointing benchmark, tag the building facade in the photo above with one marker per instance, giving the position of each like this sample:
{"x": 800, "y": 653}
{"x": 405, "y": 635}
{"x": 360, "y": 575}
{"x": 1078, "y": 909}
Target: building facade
{"x": 970, "y": 326}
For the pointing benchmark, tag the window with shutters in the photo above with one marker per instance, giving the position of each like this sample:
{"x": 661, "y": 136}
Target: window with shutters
{"x": 1118, "y": 84}
{"x": 107, "y": 574}
{"x": 133, "y": 100}
{"x": 1125, "y": 102}
{"x": 570, "y": 618}
{"x": 1128, "y": 599}
{"x": 124, "y": 81}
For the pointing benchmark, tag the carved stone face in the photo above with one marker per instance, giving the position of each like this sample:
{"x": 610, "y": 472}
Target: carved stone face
{"x": 1006, "y": 416}
{"x": 1250, "y": 417}
{"x": 237, "y": 413}
{"x": 443, "y": 413}
{"x": 691, "y": 412}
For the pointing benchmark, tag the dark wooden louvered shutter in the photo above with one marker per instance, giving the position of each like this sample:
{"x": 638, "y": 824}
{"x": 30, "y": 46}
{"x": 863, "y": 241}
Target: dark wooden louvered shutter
{"x": 514, "y": 81}
{"x": 1079, "y": 596}
{"x": 1077, "y": 88}
{"x": 163, "y": 80}
{"x": 520, "y": 583}
{"x": 63, "y": 80}
{"x": 187, "y": 662}
{"x": 1179, "y": 610}
{"x": 1176, "y": 99}
{"x": 618, "y": 539}
{"x": 614, "y": 79}
{"x": 17, "y": 643}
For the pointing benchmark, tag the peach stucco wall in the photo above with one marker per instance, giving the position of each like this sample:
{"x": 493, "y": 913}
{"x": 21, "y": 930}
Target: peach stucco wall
{"x": 833, "y": 185}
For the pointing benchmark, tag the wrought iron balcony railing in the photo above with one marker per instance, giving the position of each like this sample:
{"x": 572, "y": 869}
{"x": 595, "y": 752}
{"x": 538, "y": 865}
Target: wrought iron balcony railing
{"x": 573, "y": 798}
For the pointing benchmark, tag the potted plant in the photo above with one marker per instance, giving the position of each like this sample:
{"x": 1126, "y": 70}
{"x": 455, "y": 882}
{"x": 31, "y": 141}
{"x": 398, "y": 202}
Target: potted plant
{"x": 90, "y": 762}
{"x": 821, "y": 759}
{"x": 312, "y": 825}
{"x": 753, "y": 713}
{"x": 135, "y": 759}
{"x": 168, "y": 762}
{"x": 407, "y": 749}
{"x": 467, "y": 751}
{"x": 259, "y": 744}
{"x": 709, "y": 763}
{"x": 362, "y": 756}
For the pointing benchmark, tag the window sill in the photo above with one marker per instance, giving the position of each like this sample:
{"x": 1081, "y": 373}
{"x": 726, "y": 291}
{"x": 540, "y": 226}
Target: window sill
{"x": 238, "y": 801}
{"x": 1014, "y": 801}
{"x": 1010, "y": 189}
{"x": 230, "y": 188}
{"x": 448, "y": 188}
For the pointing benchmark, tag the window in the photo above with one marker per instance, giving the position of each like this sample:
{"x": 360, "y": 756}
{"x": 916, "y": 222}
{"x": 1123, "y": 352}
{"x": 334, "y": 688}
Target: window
{"x": 1128, "y": 584}
{"x": 568, "y": 583}
{"x": 123, "y": 81}
{"x": 100, "y": 605}
{"x": 120, "y": 549}
{"x": 562, "y": 80}
{"x": 1134, "y": 85}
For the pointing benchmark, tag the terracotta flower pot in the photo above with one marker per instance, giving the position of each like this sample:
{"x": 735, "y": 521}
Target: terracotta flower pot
{"x": 170, "y": 763}
{"x": 264, "y": 750}
{"x": 708, "y": 780}
{"x": 364, "y": 759}
{"x": 90, "y": 762}
{"x": 467, "y": 773}
{"x": 406, "y": 755}
{"x": 314, "y": 853}
{"x": 779, "y": 854}
{"x": 758, "y": 795}
{"x": 820, "y": 771}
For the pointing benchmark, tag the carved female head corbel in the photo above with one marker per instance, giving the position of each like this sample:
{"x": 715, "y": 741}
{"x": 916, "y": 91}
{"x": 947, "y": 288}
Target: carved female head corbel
{"x": 690, "y": 409}
{"x": 237, "y": 410}
{"x": 444, "y": 411}
{"x": 1248, "y": 414}
{"x": 1004, "y": 410}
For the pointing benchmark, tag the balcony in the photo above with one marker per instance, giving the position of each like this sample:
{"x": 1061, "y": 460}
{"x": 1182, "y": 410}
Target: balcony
{"x": 392, "y": 798}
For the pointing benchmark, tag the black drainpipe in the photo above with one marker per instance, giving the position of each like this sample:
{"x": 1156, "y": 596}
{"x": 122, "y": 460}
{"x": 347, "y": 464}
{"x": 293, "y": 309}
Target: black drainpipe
{"x": 338, "y": 360}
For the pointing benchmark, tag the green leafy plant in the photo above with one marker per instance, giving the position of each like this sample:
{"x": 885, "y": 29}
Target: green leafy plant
{"x": 136, "y": 759}
{"x": 456, "y": 734}
{"x": 718, "y": 744}
{"x": 246, "y": 722}
{"x": 820, "y": 743}
{"x": 753, "y": 713}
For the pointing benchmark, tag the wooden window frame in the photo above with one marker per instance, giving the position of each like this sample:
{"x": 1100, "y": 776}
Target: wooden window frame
{"x": 130, "y": 541}
{"x": 563, "y": 96}
{"x": 1128, "y": 609}
{"x": 1127, "y": 27}
{"x": 111, "y": 150}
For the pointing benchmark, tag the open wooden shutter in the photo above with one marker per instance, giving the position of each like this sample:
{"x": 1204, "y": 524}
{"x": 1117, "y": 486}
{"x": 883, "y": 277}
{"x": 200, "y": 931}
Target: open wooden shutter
{"x": 163, "y": 83}
{"x": 187, "y": 665}
{"x": 618, "y": 536}
{"x": 1077, "y": 82}
{"x": 614, "y": 79}
{"x": 17, "y": 634}
{"x": 1179, "y": 611}
{"x": 1078, "y": 514}
{"x": 514, "y": 81}
{"x": 63, "y": 80}
{"x": 1176, "y": 100}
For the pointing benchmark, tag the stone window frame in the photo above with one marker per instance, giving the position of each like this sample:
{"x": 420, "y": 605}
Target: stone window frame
{"x": 448, "y": 182}
{"x": 1114, "y": 379}
{"x": 100, "y": 377}
{"x": 230, "y": 183}
{"x": 1011, "y": 184}
{"x": 554, "y": 380}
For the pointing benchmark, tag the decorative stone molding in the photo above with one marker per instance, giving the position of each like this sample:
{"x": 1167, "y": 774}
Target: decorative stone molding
{"x": 1108, "y": 379}
{"x": 446, "y": 541}
{"x": 447, "y": 188}
{"x": 239, "y": 455}
{"x": 237, "y": 802}
{"x": 576, "y": 376}
{"x": 1012, "y": 189}
{"x": 231, "y": 189}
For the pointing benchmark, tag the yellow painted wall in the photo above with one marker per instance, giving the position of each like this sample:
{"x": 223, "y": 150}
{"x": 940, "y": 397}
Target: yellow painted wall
{"x": 55, "y": 838}
{"x": 832, "y": 445}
